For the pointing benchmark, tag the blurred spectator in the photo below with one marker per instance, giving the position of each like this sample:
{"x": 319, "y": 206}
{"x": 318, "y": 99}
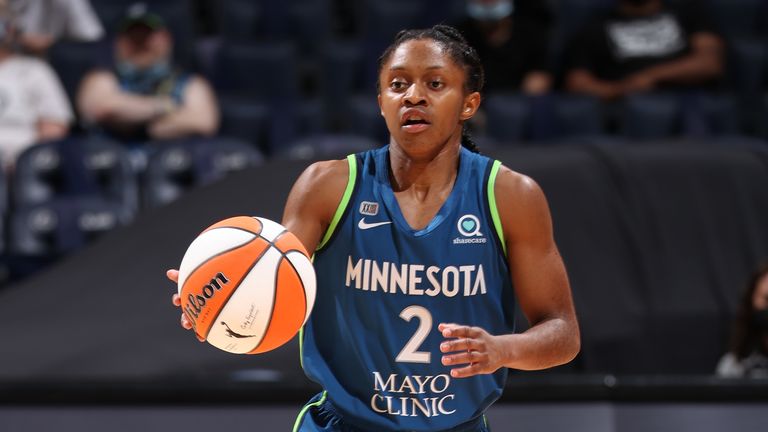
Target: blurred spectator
{"x": 42, "y": 22}
{"x": 145, "y": 96}
{"x": 33, "y": 104}
{"x": 748, "y": 354}
{"x": 512, "y": 45}
{"x": 645, "y": 45}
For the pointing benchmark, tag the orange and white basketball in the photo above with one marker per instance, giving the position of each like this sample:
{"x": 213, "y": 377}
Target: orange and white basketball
{"x": 247, "y": 285}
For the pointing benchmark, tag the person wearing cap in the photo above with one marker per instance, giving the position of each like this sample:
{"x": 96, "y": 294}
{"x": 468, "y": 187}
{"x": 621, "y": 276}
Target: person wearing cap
{"x": 33, "y": 104}
{"x": 144, "y": 96}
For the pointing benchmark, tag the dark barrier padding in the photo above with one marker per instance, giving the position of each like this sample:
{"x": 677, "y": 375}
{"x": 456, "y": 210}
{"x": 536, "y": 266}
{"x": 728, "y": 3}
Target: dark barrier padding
{"x": 658, "y": 242}
{"x": 599, "y": 249}
{"x": 699, "y": 213}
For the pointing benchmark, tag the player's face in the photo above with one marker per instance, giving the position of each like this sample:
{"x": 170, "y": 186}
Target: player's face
{"x": 422, "y": 96}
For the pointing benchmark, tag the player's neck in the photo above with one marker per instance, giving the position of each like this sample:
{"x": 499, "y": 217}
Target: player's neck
{"x": 423, "y": 175}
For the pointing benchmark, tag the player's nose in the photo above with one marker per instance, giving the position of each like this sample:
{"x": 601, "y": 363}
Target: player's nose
{"x": 415, "y": 95}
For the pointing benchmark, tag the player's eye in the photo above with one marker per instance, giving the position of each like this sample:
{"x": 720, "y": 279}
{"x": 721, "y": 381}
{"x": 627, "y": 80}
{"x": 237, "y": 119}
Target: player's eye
{"x": 436, "y": 85}
{"x": 397, "y": 85}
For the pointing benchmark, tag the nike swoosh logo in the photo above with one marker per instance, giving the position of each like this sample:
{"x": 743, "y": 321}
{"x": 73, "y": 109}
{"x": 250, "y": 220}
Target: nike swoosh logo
{"x": 363, "y": 225}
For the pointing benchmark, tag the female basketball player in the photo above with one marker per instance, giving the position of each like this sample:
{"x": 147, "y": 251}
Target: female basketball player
{"x": 417, "y": 248}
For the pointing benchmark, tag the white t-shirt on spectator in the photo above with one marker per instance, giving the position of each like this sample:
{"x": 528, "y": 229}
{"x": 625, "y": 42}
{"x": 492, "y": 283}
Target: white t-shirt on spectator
{"x": 29, "y": 91}
{"x": 61, "y": 19}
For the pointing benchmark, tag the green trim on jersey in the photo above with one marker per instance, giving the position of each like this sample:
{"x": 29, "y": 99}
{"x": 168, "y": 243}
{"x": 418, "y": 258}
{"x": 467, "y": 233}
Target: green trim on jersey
{"x": 352, "y": 160}
{"x": 492, "y": 203}
{"x": 306, "y": 408}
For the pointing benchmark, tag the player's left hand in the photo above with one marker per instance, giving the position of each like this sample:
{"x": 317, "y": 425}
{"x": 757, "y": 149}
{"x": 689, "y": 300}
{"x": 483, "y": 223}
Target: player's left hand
{"x": 472, "y": 349}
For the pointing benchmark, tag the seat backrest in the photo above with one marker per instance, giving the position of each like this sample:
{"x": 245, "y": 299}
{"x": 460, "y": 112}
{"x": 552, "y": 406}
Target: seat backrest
{"x": 578, "y": 115}
{"x": 264, "y": 70}
{"x": 75, "y": 166}
{"x": 246, "y": 120}
{"x": 63, "y": 225}
{"x": 73, "y": 60}
{"x": 650, "y": 116}
{"x": 178, "y": 167}
{"x": 325, "y": 146}
{"x": 508, "y": 117}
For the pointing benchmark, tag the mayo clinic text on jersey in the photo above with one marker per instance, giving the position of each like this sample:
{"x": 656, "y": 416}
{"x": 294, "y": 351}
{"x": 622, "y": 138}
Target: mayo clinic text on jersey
{"x": 412, "y": 395}
{"x": 415, "y": 279}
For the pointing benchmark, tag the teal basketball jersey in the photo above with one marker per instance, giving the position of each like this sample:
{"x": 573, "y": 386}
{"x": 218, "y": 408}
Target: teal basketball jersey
{"x": 372, "y": 340}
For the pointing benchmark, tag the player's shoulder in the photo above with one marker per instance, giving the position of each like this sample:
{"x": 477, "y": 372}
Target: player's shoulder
{"x": 521, "y": 203}
{"x": 322, "y": 184}
{"x": 327, "y": 173}
{"x": 515, "y": 186}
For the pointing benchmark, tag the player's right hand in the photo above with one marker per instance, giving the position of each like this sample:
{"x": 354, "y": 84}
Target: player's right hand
{"x": 173, "y": 275}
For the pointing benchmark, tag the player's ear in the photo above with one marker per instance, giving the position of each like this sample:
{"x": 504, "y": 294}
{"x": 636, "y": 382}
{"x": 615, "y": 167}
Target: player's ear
{"x": 471, "y": 105}
{"x": 378, "y": 99}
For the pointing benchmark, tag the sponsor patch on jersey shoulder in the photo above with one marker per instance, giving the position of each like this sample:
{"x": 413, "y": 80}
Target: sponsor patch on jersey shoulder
{"x": 369, "y": 208}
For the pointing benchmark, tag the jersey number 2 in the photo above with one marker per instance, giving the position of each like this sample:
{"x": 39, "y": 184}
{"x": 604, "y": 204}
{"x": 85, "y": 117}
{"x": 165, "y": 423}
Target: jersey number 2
{"x": 410, "y": 352}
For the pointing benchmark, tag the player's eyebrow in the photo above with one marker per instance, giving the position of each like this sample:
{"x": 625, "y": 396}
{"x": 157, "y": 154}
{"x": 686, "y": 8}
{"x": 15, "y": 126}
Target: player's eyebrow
{"x": 401, "y": 67}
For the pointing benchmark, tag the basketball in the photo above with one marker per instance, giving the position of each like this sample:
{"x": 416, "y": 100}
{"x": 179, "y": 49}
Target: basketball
{"x": 247, "y": 285}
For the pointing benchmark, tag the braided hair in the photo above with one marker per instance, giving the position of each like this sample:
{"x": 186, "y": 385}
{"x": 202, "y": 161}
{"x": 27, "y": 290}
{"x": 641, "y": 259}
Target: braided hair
{"x": 461, "y": 53}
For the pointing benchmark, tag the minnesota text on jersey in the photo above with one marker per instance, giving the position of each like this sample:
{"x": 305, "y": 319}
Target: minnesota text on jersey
{"x": 415, "y": 279}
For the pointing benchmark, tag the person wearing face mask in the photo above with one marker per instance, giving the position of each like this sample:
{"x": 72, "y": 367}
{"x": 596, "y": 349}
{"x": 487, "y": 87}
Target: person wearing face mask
{"x": 512, "y": 40}
{"x": 645, "y": 45}
{"x": 145, "y": 96}
{"x": 748, "y": 353}
{"x": 33, "y": 104}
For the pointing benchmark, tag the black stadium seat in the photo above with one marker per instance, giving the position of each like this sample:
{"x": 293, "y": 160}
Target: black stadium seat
{"x": 578, "y": 116}
{"x": 264, "y": 70}
{"x": 508, "y": 117}
{"x": 327, "y": 146}
{"x": 60, "y": 226}
{"x": 738, "y": 17}
{"x": 650, "y": 116}
{"x": 247, "y": 120}
{"x": 73, "y": 60}
{"x": 178, "y": 167}
{"x": 75, "y": 166}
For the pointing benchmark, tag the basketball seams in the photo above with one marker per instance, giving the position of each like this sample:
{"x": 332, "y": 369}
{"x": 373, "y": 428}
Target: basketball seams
{"x": 218, "y": 254}
{"x": 301, "y": 282}
{"x": 258, "y": 234}
{"x": 274, "y": 300}
{"x": 283, "y": 257}
{"x": 250, "y": 244}
{"x": 236, "y": 286}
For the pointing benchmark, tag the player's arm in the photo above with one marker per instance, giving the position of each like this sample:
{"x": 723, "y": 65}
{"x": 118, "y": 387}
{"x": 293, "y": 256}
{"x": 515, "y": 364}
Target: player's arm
{"x": 313, "y": 200}
{"x": 308, "y": 210}
{"x": 539, "y": 276}
{"x": 541, "y": 287}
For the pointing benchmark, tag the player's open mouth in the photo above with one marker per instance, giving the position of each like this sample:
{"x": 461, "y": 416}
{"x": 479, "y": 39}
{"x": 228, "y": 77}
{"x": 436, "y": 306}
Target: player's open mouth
{"x": 414, "y": 121}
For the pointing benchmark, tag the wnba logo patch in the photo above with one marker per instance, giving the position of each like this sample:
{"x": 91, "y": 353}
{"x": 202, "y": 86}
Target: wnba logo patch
{"x": 369, "y": 208}
{"x": 469, "y": 227}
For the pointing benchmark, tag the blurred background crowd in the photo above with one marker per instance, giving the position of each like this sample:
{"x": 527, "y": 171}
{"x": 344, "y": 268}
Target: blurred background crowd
{"x": 109, "y": 108}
